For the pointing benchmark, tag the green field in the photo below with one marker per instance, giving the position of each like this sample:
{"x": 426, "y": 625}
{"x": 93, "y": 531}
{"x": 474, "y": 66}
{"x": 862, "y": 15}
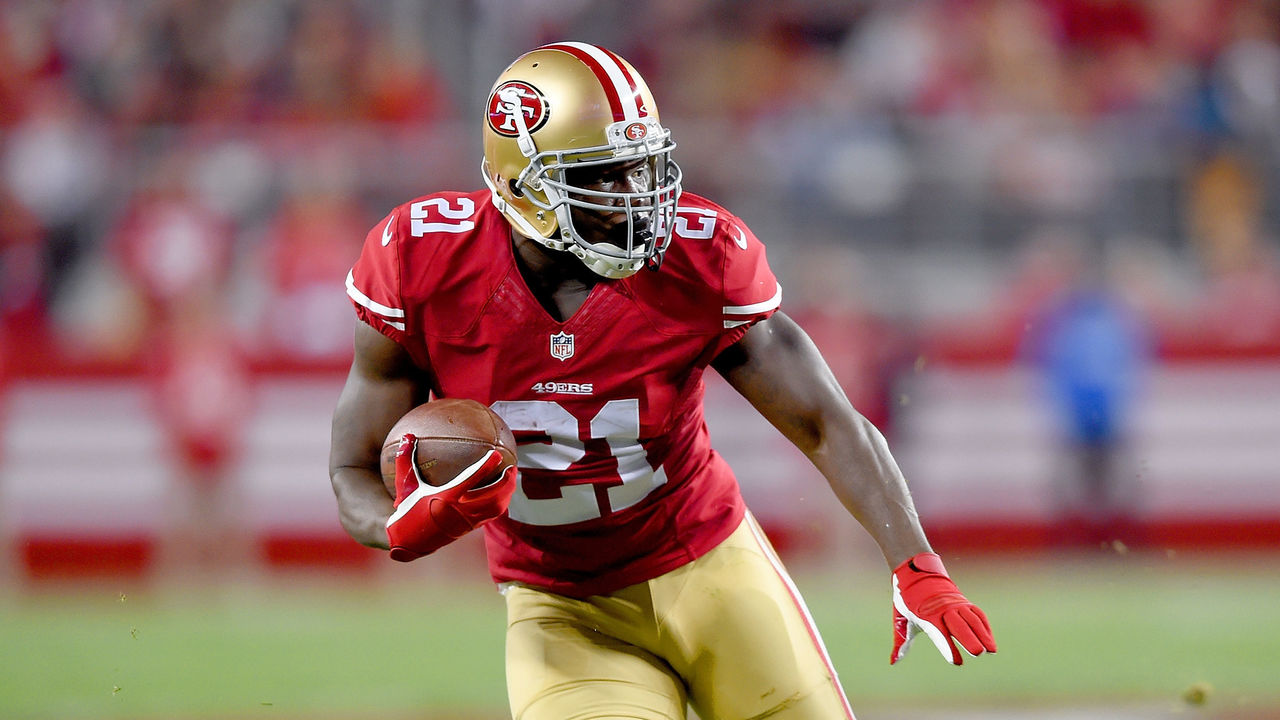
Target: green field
{"x": 1127, "y": 630}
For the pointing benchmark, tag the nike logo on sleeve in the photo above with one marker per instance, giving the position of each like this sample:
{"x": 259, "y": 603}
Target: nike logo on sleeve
{"x": 386, "y": 231}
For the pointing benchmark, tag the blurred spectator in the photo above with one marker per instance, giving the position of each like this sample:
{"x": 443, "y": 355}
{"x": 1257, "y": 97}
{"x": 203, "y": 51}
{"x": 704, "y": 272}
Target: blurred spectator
{"x": 202, "y": 391}
{"x": 202, "y": 387}
{"x": 304, "y": 255}
{"x": 321, "y": 65}
{"x": 401, "y": 86}
{"x": 176, "y": 253}
{"x": 1240, "y": 306}
{"x": 1108, "y": 52}
{"x": 1092, "y": 352}
{"x": 165, "y": 248}
{"x": 1225, "y": 59}
{"x": 171, "y": 244}
{"x": 55, "y": 164}
{"x": 1248, "y": 70}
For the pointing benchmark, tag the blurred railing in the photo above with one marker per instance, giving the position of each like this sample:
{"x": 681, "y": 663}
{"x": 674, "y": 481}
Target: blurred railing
{"x": 94, "y": 480}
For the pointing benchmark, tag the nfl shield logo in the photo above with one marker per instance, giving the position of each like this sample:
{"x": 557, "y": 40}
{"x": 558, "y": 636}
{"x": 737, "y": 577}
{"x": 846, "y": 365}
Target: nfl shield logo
{"x": 562, "y": 346}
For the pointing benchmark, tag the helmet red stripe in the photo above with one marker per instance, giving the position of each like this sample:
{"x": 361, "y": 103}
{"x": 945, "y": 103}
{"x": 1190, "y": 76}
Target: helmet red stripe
{"x": 635, "y": 89}
{"x": 610, "y": 91}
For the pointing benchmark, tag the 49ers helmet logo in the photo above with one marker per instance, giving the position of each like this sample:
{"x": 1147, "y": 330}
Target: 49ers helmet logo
{"x": 512, "y": 97}
{"x": 636, "y": 131}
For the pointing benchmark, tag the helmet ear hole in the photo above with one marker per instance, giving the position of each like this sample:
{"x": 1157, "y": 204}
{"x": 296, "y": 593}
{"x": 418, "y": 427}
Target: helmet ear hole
{"x": 514, "y": 187}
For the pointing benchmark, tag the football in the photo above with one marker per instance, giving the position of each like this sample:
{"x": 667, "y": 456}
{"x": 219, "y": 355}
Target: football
{"x": 453, "y": 433}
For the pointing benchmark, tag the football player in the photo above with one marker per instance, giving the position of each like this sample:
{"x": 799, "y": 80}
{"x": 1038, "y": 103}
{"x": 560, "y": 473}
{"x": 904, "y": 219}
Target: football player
{"x": 582, "y": 296}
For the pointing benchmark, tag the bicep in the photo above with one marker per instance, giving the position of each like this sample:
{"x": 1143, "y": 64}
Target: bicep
{"x": 383, "y": 385}
{"x": 779, "y": 370}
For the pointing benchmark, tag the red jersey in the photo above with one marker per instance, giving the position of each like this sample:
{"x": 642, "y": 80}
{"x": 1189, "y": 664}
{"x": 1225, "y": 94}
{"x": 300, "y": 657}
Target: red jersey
{"x": 618, "y": 480}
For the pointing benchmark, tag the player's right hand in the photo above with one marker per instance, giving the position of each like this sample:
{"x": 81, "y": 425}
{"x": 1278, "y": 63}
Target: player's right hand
{"x": 926, "y": 600}
{"x": 428, "y": 517}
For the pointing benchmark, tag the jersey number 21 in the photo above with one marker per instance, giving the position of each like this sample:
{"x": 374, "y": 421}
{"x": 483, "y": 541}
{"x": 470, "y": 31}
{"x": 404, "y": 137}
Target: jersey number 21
{"x": 618, "y": 423}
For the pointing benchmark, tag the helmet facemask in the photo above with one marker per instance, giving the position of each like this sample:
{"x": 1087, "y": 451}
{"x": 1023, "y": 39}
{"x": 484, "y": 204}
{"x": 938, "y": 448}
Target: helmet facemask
{"x": 643, "y": 234}
{"x": 649, "y": 213}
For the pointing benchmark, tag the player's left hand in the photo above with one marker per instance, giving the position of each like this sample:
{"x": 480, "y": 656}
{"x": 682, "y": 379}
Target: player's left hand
{"x": 926, "y": 600}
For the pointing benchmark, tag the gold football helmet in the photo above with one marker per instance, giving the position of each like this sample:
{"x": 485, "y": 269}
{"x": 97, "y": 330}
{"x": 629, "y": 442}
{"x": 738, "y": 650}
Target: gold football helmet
{"x": 572, "y": 105}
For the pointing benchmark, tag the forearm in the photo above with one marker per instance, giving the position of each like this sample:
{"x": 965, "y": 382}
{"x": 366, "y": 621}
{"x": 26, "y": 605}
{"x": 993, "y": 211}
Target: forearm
{"x": 363, "y": 501}
{"x": 854, "y": 458}
{"x": 363, "y": 505}
{"x": 779, "y": 370}
{"x": 381, "y": 387}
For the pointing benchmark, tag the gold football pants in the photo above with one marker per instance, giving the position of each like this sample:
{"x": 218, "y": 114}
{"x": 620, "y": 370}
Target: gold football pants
{"x": 727, "y": 633}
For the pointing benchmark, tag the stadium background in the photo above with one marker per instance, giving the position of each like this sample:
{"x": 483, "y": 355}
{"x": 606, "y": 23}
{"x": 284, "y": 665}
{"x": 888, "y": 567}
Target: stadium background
{"x": 183, "y": 186}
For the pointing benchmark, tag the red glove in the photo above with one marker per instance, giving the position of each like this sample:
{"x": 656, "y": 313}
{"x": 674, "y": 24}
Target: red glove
{"x": 428, "y": 517}
{"x": 925, "y": 599}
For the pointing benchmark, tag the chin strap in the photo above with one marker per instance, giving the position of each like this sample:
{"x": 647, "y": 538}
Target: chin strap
{"x": 524, "y": 140}
{"x": 523, "y": 226}
{"x": 654, "y": 261}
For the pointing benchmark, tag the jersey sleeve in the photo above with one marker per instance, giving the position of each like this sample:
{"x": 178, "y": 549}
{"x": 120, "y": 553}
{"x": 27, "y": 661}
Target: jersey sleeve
{"x": 374, "y": 283}
{"x": 751, "y": 292}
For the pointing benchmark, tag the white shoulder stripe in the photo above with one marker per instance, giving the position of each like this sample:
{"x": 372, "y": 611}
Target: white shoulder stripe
{"x": 753, "y": 308}
{"x": 378, "y": 308}
{"x": 620, "y": 84}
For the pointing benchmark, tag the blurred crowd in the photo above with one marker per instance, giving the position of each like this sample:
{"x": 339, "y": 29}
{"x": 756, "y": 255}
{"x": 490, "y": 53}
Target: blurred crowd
{"x": 185, "y": 183}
